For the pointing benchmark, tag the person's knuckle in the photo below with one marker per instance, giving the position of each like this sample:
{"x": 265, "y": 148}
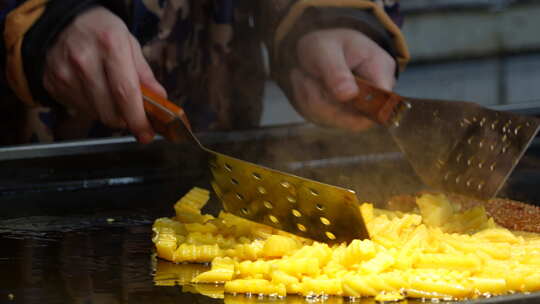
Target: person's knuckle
{"x": 62, "y": 76}
{"x": 108, "y": 38}
{"x": 81, "y": 59}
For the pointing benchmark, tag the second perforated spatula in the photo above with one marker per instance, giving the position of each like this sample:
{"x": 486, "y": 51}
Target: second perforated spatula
{"x": 457, "y": 147}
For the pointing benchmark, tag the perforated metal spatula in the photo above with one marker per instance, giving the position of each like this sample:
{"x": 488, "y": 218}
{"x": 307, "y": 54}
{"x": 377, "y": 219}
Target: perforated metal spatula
{"x": 457, "y": 147}
{"x": 301, "y": 206}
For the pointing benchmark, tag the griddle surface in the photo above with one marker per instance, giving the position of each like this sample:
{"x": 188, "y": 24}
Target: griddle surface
{"x": 88, "y": 259}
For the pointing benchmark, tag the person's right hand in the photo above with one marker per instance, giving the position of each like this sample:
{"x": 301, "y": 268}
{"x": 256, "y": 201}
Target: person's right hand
{"x": 97, "y": 66}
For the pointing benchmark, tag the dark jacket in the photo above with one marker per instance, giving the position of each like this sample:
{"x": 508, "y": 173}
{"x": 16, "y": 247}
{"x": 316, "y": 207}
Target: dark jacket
{"x": 207, "y": 54}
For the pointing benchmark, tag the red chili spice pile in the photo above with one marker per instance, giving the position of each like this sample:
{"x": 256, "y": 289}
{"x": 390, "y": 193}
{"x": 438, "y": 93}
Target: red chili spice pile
{"x": 514, "y": 215}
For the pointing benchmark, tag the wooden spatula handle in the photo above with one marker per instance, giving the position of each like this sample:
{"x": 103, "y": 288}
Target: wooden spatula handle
{"x": 164, "y": 115}
{"x": 377, "y": 104}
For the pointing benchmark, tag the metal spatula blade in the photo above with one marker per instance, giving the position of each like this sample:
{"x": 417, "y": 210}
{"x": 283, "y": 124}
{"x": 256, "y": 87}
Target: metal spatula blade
{"x": 461, "y": 147}
{"x": 287, "y": 202}
{"x": 457, "y": 147}
{"x": 301, "y": 206}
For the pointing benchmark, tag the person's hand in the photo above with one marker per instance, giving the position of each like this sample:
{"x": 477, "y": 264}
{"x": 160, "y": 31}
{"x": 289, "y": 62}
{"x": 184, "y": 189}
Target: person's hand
{"x": 324, "y": 81}
{"x": 96, "y": 66}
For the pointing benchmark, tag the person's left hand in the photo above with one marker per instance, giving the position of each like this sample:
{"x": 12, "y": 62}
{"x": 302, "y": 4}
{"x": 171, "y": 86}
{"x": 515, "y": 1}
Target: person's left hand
{"x": 324, "y": 81}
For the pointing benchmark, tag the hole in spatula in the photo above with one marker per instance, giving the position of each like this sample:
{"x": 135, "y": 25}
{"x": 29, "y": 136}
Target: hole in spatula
{"x": 234, "y": 181}
{"x": 256, "y": 176}
{"x": 301, "y": 227}
{"x": 228, "y": 167}
{"x": 325, "y": 221}
{"x": 244, "y": 211}
{"x": 273, "y": 219}
{"x": 319, "y": 207}
{"x": 261, "y": 190}
{"x": 239, "y": 196}
{"x": 268, "y": 205}
{"x": 330, "y": 235}
{"x": 296, "y": 213}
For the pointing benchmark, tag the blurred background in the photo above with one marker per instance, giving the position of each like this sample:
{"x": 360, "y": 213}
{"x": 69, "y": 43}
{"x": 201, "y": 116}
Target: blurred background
{"x": 486, "y": 51}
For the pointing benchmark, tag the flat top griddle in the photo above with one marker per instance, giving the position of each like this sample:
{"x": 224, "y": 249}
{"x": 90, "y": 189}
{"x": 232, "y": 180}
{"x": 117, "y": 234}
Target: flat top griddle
{"x": 75, "y": 224}
{"x": 85, "y": 259}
